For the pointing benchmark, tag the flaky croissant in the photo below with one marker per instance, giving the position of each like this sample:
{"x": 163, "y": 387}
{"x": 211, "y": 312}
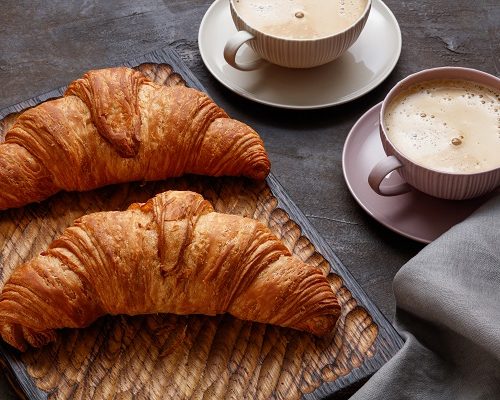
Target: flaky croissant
{"x": 172, "y": 254}
{"x": 115, "y": 125}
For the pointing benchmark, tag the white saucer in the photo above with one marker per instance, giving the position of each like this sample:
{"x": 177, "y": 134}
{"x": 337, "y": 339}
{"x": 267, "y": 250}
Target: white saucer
{"x": 365, "y": 65}
{"x": 414, "y": 214}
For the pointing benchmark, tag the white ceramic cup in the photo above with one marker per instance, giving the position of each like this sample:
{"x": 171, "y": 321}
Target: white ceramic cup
{"x": 291, "y": 53}
{"x": 452, "y": 186}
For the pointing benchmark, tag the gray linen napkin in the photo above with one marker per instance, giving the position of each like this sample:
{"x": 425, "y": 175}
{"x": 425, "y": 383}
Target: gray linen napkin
{"x": 448, "y": 310}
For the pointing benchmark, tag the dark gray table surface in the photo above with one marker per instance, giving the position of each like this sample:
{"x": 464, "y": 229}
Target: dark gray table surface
{"x": 47, "y": 43}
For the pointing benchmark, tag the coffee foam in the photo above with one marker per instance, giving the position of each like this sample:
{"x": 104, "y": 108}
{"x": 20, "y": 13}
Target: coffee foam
{"x": 447, "y": 125}
{"x": 300, "y": 19}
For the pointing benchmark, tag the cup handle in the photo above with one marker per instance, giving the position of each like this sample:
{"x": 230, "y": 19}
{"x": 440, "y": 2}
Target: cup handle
{"x": 231, "y": 48}
{"x": 380, "y": 171}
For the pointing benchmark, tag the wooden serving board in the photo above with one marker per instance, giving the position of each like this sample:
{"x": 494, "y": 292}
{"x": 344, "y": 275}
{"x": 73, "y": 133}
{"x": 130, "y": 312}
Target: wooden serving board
{"x": 191, "y": 357}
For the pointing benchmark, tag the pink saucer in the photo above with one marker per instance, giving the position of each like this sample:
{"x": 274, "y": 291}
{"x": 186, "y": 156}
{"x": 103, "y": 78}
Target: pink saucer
{"x": 414, "y": 214}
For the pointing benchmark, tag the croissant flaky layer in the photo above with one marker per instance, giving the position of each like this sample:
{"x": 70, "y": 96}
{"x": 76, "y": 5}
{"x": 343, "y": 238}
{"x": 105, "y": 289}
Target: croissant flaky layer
{"x": 172, "y": 254}
{"x": 115, "y": 125}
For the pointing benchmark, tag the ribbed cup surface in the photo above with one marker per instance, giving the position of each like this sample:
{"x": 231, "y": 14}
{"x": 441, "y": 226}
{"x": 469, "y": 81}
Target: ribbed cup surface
{"x": 301, "y": 53}
{"x": 441, "y": 184}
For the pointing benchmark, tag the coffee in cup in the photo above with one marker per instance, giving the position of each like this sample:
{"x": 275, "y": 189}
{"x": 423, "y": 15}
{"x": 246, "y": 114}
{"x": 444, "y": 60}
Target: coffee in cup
{"x": 295, "y": 33}
{"x": 300, "y": 19}
{"x": 447, "y": 125}
{"x": 440, "y": 129}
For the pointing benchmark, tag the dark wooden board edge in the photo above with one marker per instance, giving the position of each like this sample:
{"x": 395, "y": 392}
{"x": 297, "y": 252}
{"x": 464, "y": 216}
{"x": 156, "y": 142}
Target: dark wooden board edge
{"x": 388, "y": 341}
{"x": 18, "y": 376}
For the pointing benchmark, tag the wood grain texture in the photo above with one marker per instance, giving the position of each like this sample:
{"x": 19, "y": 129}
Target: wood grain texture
{"x": 196, "y": 356}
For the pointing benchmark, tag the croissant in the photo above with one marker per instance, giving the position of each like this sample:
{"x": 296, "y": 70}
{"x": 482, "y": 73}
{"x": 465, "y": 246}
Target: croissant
{"x": 115, "y": 125}
{"x": 172, "y": 254}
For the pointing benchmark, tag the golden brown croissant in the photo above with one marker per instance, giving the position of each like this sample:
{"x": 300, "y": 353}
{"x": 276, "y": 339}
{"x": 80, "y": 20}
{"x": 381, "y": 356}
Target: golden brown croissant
{"x": 172, "y": 254}
{"x": 114, "y": 125}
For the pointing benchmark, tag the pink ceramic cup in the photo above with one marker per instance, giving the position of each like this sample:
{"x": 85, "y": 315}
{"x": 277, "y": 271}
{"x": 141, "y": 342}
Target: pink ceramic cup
{"x": 452, "y": 186}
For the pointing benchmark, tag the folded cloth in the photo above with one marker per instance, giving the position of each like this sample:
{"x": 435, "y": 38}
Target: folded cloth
{"x": 448, "y": 311}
